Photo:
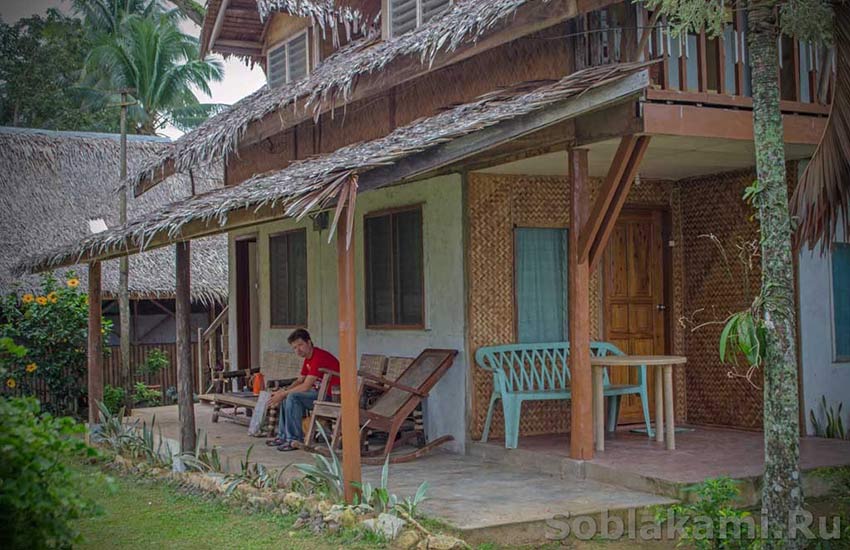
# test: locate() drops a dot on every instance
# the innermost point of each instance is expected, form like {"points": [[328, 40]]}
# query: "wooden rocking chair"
{"points": [[390, 410]]}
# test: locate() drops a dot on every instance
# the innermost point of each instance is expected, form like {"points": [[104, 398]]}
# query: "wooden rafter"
{"points": [[600, 239]]}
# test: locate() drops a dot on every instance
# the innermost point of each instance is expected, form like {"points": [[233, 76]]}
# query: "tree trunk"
{"points": [[124, 268], [782, 492]]}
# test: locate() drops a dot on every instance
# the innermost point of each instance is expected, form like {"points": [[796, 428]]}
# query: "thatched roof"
{"points": [[465, 21], [54, 182], [317, 182]]}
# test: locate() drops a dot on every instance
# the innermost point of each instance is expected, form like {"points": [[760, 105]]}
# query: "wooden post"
{"points": [[348, 361], [185, 405], [95, 343], [581, 417], [200, 353]]}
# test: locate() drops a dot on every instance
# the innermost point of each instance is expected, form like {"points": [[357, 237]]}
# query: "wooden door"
{"points": [[245, 302], [634, 297]]}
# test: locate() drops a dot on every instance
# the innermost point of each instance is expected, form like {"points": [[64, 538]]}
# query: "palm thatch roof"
{"points": [[821, 201], [465, 21], [318, 182], [54, 182]]}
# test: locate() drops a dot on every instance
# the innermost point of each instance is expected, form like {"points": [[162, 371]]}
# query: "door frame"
{"points": [[244, 303]]}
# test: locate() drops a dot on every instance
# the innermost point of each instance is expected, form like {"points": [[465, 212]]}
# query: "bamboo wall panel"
{"points": [[165, 378], [497, 204], [713, 206]]}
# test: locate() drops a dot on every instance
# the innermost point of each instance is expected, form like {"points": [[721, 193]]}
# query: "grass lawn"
{"points": [[139, 514]]}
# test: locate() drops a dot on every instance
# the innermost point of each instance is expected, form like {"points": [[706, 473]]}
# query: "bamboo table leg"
{"points": [[668, 407], [659, 405], [598, 409]]}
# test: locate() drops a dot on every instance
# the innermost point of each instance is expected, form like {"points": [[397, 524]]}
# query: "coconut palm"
{"points": [[159, 65], [105, 17]]}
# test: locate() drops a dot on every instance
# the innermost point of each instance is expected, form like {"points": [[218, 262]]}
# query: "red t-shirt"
{"points": [[320, 360]]}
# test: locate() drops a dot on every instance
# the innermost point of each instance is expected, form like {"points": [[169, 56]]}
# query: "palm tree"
{"points": [[105, 17], [159, 64]]}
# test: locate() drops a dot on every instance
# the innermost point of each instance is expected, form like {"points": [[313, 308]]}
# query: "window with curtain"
{"points": [[288, 278], [541, 284], [841, 300], [394, 269]]}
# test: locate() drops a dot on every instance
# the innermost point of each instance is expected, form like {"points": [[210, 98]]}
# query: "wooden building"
{"points": [[434, 133]]}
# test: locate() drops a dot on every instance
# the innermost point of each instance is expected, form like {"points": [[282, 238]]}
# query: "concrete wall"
{"points": [[822, 375], [441, 200]]}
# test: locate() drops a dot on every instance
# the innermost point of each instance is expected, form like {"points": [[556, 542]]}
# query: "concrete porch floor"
{"points": [[486, 500], [637, 462], [483, 499]]}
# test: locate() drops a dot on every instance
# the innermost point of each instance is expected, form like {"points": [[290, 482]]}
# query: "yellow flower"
{"points": [[32, 367], [27, 298], [11, 383], [52, 298], [73, 283], [41, 300]]}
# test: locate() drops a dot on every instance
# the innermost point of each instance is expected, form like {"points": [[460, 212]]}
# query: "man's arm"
{"points": [[302, 383]]}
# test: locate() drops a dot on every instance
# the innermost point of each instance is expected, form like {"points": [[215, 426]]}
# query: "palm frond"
{"points": [[821, 201], [191, 116]]}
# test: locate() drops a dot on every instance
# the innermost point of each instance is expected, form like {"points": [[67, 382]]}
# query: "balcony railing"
{"points": [[695, 68]]}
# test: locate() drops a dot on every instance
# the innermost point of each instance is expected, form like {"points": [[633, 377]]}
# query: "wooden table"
{"points": [[663, 406]]}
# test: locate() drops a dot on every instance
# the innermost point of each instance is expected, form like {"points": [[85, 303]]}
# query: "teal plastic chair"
{"points": [[537, 372]]}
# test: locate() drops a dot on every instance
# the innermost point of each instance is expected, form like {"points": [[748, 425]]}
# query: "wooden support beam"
{"points": [[185, 404], [95, 343], [349, 397], [621, 191], [606, 195], [581, 412], [162, 307]]}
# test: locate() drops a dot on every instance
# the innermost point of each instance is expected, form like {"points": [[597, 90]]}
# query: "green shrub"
{"points": [[146, 396], [40, 494], [113, 398], [711, 520], [155, 361], [53, 327]]}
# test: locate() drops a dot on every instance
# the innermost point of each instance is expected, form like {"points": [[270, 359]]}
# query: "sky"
{"points": [[238, 82]]}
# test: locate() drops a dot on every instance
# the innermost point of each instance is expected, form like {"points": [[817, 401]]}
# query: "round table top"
{"points": [[637, 360]]}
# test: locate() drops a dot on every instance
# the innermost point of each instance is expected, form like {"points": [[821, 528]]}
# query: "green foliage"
{"points": [[253, 473], [833, 425], [710, 520], [155, 361], [113, 398], [145, 396], [325, 476], [203, 458], [808, 20], [40, 494], [163, 92], [41, 58], [743, 334], [53, 327]]}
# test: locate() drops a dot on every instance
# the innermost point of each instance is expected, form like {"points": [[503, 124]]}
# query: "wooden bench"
{"points": [[279, 369], [537, 372]]}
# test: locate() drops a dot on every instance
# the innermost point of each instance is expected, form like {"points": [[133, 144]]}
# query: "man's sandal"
{"points": [[276, 442], [288, 446]]}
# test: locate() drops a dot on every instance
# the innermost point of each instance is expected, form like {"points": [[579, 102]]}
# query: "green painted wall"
{"points": [[441, 200]]}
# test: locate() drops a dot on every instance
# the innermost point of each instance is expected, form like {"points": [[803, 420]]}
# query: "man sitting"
{"points": [[302, 393]]}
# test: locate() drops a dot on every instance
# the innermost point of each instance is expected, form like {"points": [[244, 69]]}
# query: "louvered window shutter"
{"points": [[276, 66], [403, 16], [296, 57], [430, 8]]}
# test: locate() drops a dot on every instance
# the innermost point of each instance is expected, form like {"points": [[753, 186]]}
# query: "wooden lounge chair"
{"points": [[390, 410]]}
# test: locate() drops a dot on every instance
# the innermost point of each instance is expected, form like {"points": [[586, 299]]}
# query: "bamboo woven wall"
{"points": [[496, 204], [713, 206]]}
